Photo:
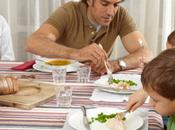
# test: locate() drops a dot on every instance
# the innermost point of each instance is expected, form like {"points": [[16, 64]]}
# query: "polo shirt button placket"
{"points": [[90, 27]]}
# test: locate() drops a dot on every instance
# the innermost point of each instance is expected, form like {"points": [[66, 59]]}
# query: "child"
{"points": [[158, 82], [171, 41], [138, 98]]}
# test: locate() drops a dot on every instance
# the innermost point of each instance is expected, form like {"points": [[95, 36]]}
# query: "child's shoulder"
{"points": [[171, 123]]}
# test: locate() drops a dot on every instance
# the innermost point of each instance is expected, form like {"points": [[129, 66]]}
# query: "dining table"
{"points": [[51, 117]]}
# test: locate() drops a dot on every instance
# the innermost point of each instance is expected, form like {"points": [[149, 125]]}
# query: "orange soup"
{"points": [[58, 62]]}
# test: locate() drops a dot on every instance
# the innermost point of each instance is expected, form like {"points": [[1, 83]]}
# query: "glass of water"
{"points": [[59, 75], [83, 73], [64, 96], [63, 92]]}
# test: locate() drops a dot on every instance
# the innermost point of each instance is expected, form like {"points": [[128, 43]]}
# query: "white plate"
{"points": [[43, 67], [132, 122], [103, 84]]}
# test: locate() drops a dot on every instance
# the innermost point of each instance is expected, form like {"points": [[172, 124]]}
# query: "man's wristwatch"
{"points": [[122, 64]]}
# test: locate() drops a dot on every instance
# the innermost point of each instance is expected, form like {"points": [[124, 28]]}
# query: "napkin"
{"points": [[98, 95], [26, 65]]}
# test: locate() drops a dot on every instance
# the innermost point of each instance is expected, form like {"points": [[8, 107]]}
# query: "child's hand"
{"points": [[136, 100], [142, 62]]}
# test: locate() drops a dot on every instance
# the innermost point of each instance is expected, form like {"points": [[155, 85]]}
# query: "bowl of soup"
{"points": [[58, 62]]}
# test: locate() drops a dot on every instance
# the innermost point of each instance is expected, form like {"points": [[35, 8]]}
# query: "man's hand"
{"points": [[92, 54], [136, 100], [113, 64]]}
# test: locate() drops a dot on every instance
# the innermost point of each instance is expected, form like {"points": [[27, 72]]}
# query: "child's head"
{"points": [[171, 41], [158, 79]]}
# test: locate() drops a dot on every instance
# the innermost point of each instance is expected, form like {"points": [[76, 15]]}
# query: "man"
{"points": [[75, 30], [6, 48]]}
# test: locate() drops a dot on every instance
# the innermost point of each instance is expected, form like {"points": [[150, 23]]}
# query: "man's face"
{"points": [[102, 11], [160, 103]]}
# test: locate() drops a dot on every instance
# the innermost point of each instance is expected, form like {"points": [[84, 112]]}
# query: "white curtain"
{"points": [[24, 17], [155, 19]]}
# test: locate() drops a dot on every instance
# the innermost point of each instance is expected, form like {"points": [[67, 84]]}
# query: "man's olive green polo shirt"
{"points": [[76, 31]]}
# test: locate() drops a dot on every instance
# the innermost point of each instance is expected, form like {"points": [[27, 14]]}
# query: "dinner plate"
{"points": [[132, 122], [103, 84], [41, 65]]}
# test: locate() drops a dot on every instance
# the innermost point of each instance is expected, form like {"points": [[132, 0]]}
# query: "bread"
{"points": [[8, 85]]}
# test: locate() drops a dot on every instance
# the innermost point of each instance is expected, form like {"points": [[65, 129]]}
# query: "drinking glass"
{"points": [[63, 92], [59, 75], [64, 96], [83, 73]]}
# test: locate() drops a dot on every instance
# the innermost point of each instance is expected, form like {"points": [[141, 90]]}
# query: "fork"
{"points": [[124, 112], [85, 119], [108, 68], [109, 72]]}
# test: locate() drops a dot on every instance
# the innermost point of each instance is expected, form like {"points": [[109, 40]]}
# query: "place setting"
{"points": [[106, 118], [94, 116], [118, 89]]}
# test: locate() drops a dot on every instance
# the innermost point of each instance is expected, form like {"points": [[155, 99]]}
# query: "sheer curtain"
{"points": [[155, 19], [24, 17]]}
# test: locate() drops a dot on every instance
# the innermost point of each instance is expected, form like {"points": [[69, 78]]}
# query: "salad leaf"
{"points": [[103, 117], [129, 82]]}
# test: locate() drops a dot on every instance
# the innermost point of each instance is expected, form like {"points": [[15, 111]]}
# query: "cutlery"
{"points": [[124, 113], [98, 86], [109, 72], [108, 68], [43, 61], [85, 119]]}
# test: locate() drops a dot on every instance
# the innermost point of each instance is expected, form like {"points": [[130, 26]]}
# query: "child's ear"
{"points": [[90, 2]]}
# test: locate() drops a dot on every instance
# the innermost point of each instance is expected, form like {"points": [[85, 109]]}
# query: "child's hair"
{"points": [[159, 74], [171, 39]]}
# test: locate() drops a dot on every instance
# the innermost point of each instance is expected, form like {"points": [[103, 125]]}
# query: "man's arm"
{"points": [[43, 43], [137, 47], [136, 51]]}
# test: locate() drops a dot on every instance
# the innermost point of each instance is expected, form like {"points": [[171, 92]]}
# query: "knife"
{"points": [[85, 119], [103, 87]]}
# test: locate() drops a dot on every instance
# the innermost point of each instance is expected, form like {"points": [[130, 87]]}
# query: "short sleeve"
{"points": [[127, 24], [60, 19]]}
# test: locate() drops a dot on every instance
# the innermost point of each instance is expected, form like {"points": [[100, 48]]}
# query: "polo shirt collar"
{"points": [[83, 9]]}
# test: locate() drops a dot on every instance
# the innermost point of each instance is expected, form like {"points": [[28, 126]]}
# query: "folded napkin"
{"points": [[99, 95], [26, 65]]}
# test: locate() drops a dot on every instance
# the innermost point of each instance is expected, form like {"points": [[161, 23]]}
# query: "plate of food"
{"points": [[47, 64], [121, 83], [106, 119]]}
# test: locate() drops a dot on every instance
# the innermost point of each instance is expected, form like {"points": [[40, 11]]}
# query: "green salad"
{"points": [[102, 118], [129, 82]]}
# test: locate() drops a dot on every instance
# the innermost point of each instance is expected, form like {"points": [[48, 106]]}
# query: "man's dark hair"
{"points": [[84, 1], [171, 39], [159, 74]]}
